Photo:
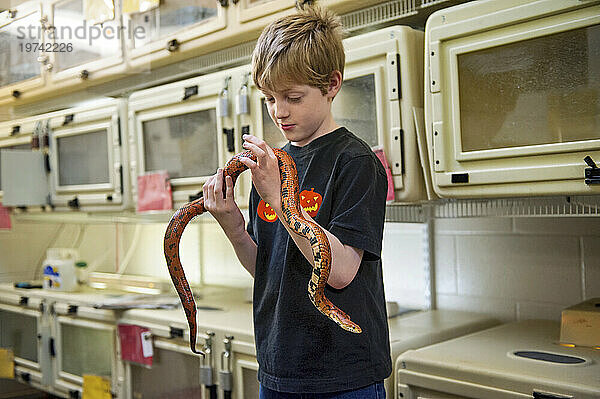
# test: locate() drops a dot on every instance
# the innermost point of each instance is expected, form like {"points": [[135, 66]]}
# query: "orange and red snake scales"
{"points": [[292, 216]]}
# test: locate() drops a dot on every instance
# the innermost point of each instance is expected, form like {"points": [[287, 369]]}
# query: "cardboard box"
{"points": [[580, 324]]}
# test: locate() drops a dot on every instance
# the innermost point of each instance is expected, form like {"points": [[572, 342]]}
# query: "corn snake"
{"points": [[292, 216]]}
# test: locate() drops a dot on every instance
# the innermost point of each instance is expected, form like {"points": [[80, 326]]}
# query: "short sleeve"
{"points": [[358, 208]]}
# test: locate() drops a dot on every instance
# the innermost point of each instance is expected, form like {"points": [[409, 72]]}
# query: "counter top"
{"points": [[229, 310]]}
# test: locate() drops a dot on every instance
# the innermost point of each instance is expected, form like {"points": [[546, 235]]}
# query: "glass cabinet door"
{"points": [[19, 332], [185, 129], [82, 159], [174, 374], [355, 108], [246, 383], [20, 42], [88, 157], [78, 41], [8, 148], [85, 348], [543, 90], [170, 17], [184, 145], [79, 166], [248, 10]]}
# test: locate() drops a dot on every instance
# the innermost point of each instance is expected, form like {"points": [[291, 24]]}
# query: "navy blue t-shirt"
{"points": [[343, 186]]}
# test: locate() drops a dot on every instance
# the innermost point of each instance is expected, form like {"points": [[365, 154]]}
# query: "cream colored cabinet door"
{"points": [[85, 347], [185, 128], [255, 10], [512, 103], [15, 135], [382, 88], [238, 370], [251, 117], [159, 34], [22, 41], [85, 40], [19, 330], [88, 157], [175, 373], [347, 6]]}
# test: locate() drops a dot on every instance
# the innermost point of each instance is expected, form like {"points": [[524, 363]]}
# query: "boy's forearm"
{"points": [[345, 260], [245, 249]]}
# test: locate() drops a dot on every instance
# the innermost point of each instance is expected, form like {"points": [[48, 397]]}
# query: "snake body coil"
{"points": [[292, 216]]}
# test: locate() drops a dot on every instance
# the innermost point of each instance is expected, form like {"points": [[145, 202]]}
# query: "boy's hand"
{"points": [[225, 210], [265, 171]]}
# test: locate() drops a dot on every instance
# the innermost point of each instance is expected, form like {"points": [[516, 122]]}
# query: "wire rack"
{"points": [[570, 206]]}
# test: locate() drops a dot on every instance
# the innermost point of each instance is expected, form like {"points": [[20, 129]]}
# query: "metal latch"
{"points": [[175, 332], [52, 347], [592, 174], [72, 309], [225, 373], [223, 99], [230, 139], [68, 119], [242, 99], [189, 92], [74, 203], [206, 368]]}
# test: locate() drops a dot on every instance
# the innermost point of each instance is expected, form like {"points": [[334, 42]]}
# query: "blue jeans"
{"points": [[374, 391]]}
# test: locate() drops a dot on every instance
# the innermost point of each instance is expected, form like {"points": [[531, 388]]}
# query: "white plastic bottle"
{"points": [[59, 269]]}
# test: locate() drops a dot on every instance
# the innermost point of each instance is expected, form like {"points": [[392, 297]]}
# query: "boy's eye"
{"points": [[270, 99], [294, 99]]}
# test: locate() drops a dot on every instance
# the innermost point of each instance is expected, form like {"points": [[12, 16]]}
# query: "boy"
{"points": [[298, 64]]}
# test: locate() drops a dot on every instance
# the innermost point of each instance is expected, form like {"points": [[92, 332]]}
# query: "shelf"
{"points": [[102, 218], [569, 206]]}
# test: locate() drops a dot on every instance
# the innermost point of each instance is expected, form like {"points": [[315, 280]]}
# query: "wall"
{"points": [[106, 247], [512, 268]]}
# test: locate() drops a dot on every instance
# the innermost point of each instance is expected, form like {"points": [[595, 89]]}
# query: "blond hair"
{"points": [[303, 48]]}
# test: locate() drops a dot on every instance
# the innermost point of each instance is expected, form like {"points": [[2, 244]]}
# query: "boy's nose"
{"points": [[281, 111]]}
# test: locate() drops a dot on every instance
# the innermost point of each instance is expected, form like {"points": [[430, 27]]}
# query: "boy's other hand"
{"points": [[224, 209], [265, 171]]}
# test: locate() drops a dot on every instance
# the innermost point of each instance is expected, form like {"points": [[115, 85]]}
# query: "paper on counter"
{"points": [[143, 301]]}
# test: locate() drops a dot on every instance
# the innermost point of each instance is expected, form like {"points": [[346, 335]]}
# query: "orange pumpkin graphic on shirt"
{"points": [[311, 201], [265, 212]]}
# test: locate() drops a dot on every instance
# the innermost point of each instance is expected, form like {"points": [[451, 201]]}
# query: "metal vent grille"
{"points": [[379, 14], [240, 54], [518, 207], [211, 62], [404, 213]]}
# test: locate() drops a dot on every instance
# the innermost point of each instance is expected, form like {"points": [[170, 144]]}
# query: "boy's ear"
{"points": [[335, 84]]}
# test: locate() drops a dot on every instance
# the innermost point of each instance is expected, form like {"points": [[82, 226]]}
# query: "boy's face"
{"points": [[302, 112]]}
